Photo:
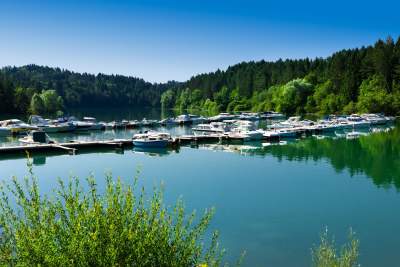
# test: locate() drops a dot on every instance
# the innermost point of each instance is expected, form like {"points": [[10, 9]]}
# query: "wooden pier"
{"points": [[73, 146], [70, 147]]}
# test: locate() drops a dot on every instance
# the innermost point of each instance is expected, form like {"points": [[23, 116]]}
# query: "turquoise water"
{"points": [[270, 200]]}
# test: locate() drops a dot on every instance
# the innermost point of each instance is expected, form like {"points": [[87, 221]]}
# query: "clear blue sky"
{"points": [[173, 40]]}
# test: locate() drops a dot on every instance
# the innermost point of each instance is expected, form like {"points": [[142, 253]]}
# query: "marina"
{"points": [[223, 128]]}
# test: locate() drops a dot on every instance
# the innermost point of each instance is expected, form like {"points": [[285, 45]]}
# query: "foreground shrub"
{"points": [[325, 255], [79, 227]]}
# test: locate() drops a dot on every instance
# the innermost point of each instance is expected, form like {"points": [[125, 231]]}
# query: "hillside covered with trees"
{"points": [[365, 79], [19, 84]]}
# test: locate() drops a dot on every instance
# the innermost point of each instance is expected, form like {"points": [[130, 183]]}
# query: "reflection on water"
{"points": [[154, 152], [376, 155], [272, 198]]}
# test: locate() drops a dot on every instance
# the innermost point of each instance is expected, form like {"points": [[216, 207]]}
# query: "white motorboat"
{"points": [[291, 122], [134, 124], [211, 128], [280, 133], [50, 127], [168, 122], [183, 119], [17, 126], [94, 124], [148, 123], [151, 133], [87, 124], [375, 119], [357, 121], [197, 119], [246, 130], [222, 117], [272, 115], [249, 116], [117, 124]]}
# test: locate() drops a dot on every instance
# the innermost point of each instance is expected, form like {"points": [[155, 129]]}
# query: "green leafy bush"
{"points": [[77, 227]]}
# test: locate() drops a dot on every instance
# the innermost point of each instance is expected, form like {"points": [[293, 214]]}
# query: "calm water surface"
{"points": [[271, 200]]}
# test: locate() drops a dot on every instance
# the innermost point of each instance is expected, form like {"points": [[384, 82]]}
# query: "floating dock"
{"points": [[73, 146], [70, 147]]}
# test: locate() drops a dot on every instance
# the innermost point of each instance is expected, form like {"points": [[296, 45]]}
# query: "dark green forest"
{"points": [[18, 85], [365, 79]]}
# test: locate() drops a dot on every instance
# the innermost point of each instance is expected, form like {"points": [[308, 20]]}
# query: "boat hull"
{"points": [[150, 144], [206, 132], [5, 132]]}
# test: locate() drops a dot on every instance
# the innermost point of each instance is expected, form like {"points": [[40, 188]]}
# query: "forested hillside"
{"points": [[18, 84], [362, 79], [365, 79]]}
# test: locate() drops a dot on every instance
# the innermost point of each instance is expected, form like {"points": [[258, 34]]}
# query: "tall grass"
{"points": [[326, 254], [77, 227]]}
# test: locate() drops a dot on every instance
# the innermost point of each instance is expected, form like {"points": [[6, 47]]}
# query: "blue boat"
{"points": [[152, 140], [150, 143]]}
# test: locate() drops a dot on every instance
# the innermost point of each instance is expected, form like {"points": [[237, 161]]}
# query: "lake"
{"points": [[271, 200]]}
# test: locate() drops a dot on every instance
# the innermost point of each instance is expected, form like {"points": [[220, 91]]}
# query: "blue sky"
{"points": [[173, 40]]}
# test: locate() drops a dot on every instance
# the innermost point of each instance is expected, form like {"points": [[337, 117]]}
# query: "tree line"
{"points": [[19, 84], [365, 79]]}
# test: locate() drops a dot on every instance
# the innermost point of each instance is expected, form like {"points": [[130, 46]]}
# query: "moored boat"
{"points": [[152, 140], [183, 119], [17, 126], [223, 116], [168, 122], [87, 124], [246, 130], [50, 126], [280, 133], [211, 128], [357, 121]]}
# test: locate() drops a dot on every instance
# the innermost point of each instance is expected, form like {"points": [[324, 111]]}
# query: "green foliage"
{"points": [[52, 101], [332, 85], [210, 107], [22, 99], [168, 99], [87, 90], [292, 97], [350, 108], [120, 227], [329, 85], [373, 95], [48, 102], [325, 255], [6, 94], [324, 100], [222, 98], [37, 105]]}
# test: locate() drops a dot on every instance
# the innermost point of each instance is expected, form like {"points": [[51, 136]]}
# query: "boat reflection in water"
{"points": [[377, 155], [154, 151]]}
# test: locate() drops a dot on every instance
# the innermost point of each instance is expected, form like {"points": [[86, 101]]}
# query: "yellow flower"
{"points": [[202, 265]]}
